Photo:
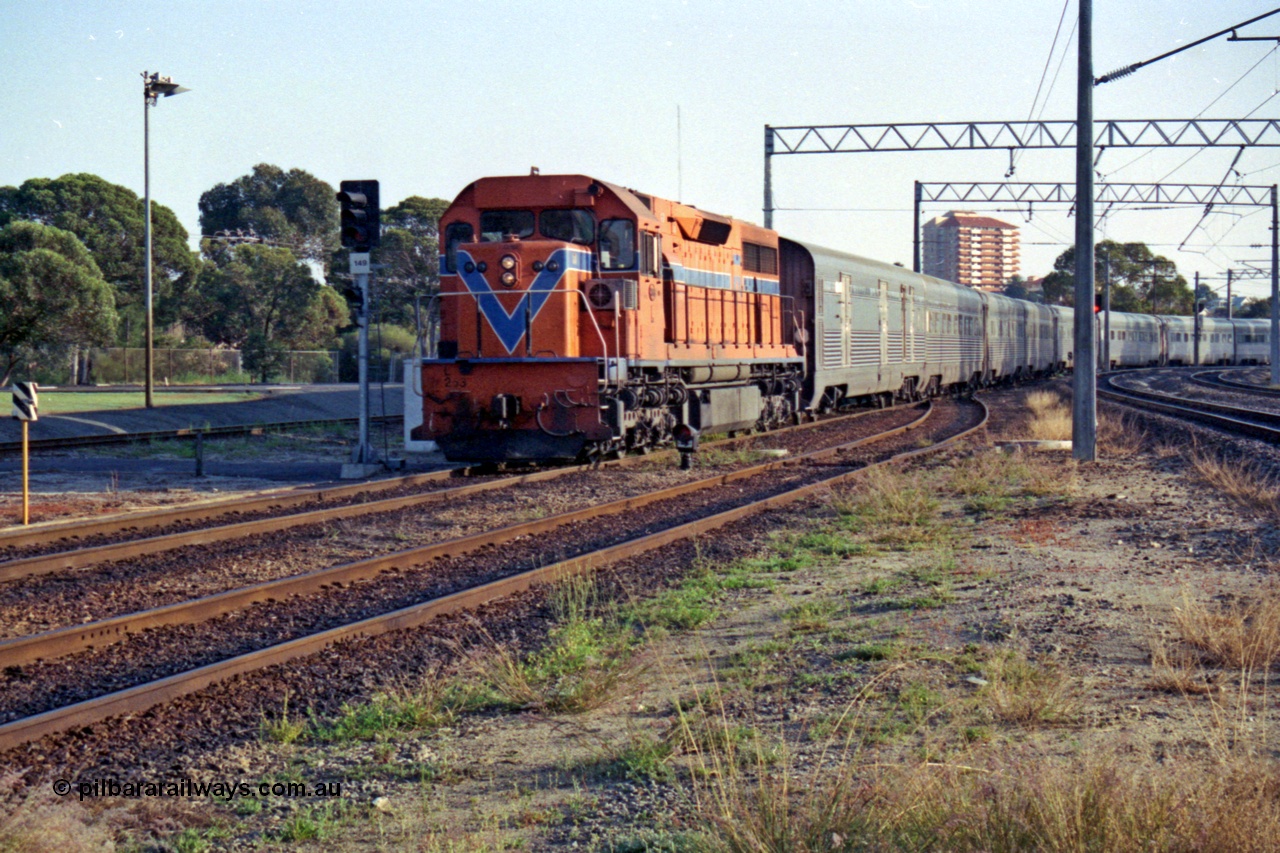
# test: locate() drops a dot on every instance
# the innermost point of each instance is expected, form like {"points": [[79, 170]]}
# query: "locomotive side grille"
{"points": [[757, 258]]}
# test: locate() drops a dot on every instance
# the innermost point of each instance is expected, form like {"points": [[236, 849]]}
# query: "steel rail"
{"points": [[1218, 379], [1262, 425], [7, 447], [144, 696], [89, 555], [68, 640]]}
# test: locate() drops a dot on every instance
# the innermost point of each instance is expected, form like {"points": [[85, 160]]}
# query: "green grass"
{"points": [[428, 707], [56, 403], [812, 616], [641, 759], [878, 650]]}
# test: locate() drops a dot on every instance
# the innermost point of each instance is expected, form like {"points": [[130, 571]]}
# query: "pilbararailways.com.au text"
{"points": [[189, 788]]}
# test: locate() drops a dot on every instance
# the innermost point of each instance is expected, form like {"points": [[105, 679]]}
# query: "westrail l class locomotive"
{"points": [[578, 317]]}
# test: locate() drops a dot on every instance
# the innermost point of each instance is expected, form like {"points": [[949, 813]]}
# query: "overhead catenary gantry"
{"points": [[1012, 135], [1008, 135]]}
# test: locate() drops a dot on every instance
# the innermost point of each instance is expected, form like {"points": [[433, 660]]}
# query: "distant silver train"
{"points": [[880, 332]]}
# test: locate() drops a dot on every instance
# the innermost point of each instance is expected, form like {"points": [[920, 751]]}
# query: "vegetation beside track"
{"points": [[55, 403]]}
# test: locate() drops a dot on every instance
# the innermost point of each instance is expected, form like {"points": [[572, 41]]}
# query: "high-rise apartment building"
{"points": [[976, 251]]}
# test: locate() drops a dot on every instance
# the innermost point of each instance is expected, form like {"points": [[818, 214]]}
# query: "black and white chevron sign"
{"points": [[24, 401]]}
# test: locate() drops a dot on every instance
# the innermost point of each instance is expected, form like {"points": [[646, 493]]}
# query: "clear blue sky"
{"points": [[427, 96]]}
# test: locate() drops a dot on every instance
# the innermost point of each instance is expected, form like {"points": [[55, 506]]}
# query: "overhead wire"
{"points": [[1013, 162], [1207, 107]]}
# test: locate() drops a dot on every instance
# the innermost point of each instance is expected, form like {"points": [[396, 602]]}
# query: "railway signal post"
{"points": [[26, 410], [360, 233]]}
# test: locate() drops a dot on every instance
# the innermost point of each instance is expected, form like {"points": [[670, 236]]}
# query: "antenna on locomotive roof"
{"points": [[533, 170], [679, 163]]}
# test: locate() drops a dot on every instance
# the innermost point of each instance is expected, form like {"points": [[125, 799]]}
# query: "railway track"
{"points": [[585, 539], [1251, 422], [52, 599], [1218, 379], [36, 551]]}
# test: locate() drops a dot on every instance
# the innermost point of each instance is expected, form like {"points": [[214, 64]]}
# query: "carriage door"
{"points": [[846, 318], [884, 323], [908, 325], [986, 341]]}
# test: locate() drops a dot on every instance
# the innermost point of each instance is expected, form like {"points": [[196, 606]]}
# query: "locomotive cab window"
{"points": [[617, 244], [495, 225], [571, 226], [455, 234]]}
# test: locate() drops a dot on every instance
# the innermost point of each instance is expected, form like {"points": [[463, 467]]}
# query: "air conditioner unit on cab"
{"points": [[609, 294]]}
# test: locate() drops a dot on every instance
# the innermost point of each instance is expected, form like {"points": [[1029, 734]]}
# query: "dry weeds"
{"points": [[1246, 483], [1241, 635]]}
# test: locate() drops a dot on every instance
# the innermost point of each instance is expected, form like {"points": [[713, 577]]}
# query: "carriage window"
{"points": [[572, 226], [455, 234], [497, 224], [617, 244]]}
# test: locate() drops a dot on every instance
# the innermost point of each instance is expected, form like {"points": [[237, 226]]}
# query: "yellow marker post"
{"points": [[25, 409], [26, 493]]}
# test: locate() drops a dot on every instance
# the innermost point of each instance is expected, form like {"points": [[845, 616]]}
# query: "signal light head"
{"points": [[359, 215]]}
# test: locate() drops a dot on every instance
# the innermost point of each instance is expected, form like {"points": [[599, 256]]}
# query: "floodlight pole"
{"points": [[147, 101], [1084, 401], [153, 86]]}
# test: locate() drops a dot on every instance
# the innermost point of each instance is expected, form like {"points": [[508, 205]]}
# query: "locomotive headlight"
{"points": [[482, 266], [508, 262], [537, 266], [469, 267], [508, 278], [553, 265]]}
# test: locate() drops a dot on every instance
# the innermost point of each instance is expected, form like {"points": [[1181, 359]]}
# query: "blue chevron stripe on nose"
{"points": [[510, 327]]}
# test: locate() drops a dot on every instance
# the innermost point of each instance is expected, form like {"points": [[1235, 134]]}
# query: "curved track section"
{"points": [[1264, 425], [1218, 379]]}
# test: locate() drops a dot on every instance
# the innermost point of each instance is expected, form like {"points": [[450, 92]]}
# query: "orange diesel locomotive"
{"points": [[579, 318]]}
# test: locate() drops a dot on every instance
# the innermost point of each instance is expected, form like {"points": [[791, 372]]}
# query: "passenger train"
{"points": [[578, 317]]}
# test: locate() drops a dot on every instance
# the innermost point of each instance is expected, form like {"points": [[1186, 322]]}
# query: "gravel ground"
{"points": [[1078, 580]]}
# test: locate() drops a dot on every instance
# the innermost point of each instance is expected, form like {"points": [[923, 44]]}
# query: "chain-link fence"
{"points": [[127, 366]]}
